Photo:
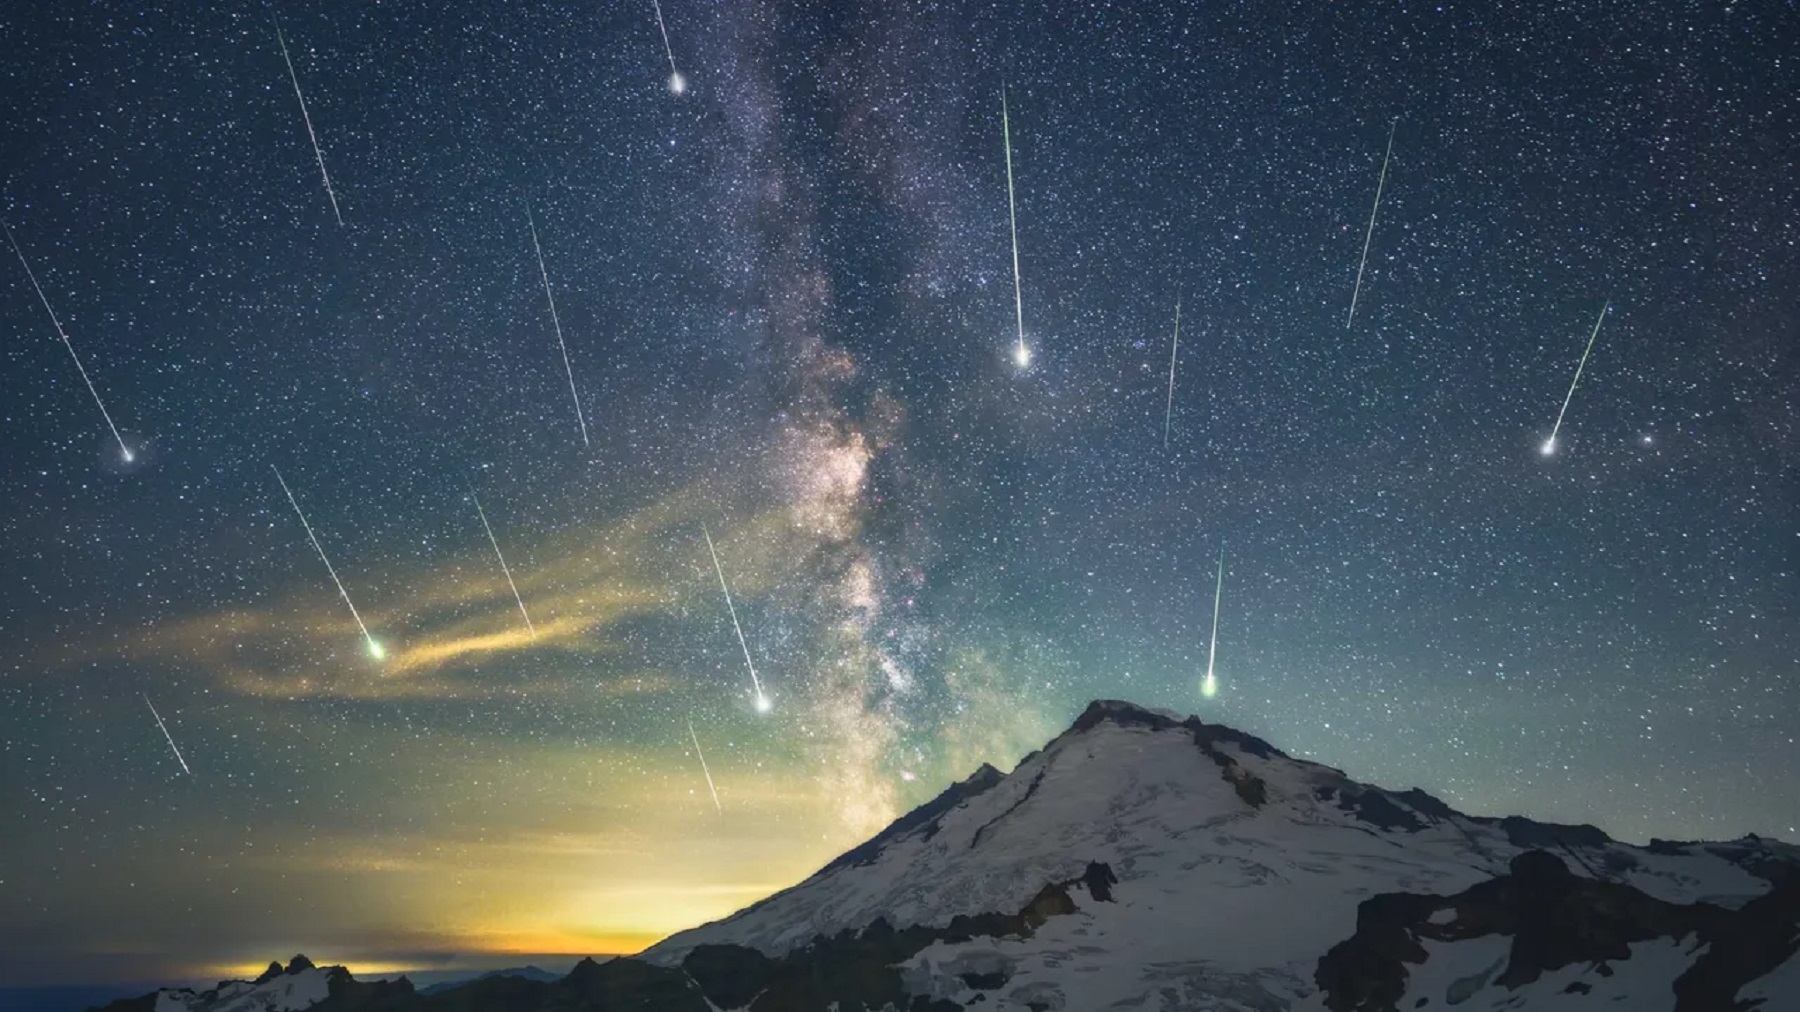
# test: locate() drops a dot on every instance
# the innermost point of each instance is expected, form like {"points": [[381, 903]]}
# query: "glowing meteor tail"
{"points": [[557, 322], [307, 118], [1169, 406], [1550, 444], [503, 566], [375, 649], [124, 451], [1022, 354], [1379, 183], [1211, 686], [703, 768], [677, 83], [762, 700], [170, 738]]}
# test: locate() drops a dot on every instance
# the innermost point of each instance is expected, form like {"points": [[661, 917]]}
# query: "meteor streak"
{"points": [[762, 701], [677, 83], [558, 323], [1169, 407], [1549, 446], [165, 731], [54, 322], [1022, 354], [703, 769], [1210, 686], [307, 117], [503, 567], [1379, 183], [375, 650]]}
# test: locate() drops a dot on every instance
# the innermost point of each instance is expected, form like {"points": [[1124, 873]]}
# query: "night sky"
{"points": [[787, 301]]}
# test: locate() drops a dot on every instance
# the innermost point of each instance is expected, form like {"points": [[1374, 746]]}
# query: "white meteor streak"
{"points": [[677, 83], [307, 117], [124, 451], [165, 731], [703, 769], [579, 417], [1210, 686], [375, 649], [1169, 407], [1549, 446], [1022, 354], [503, 567], [762, 701], [1379, 183]]}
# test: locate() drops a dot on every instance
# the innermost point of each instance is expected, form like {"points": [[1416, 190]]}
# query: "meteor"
{"points": [[124, 451], [703, 769], [1169, 407], [762, 701], [1549, 446], [1210, 687], [1022, 354], [558, 323], [165, 731], [375, 649], [307, 117], [1379, 183], [503, 567], [677, 83]]}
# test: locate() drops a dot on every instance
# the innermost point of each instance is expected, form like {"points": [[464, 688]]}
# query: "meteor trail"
{"points": [[307, 117], [503, 567], [1379, 183], [1169, 408], [54, 322], [1549, 446], [703, 769], [762, 701], [1021, 355], [558, 322], [1210, 686], [165, 731], [677, 83], [375, 650]]}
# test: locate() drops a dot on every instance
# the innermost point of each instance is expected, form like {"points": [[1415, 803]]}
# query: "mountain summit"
{"points": [[1145, 861]]}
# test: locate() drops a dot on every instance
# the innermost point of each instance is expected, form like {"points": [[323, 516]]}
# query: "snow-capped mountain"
{"points": [[1145, 861], [299, 985], [1207, 869]]}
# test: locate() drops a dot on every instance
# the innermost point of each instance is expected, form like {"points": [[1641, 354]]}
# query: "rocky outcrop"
{"points": [[1557, 919]]}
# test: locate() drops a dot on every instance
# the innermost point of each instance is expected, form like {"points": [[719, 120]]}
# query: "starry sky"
{"points": [[786, 301]]}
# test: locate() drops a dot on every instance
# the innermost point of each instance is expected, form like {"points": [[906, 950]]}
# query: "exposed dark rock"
{"points": [[926, 815], [1030, 789], [1377, 809], [1524, 832], [731, 975], [271, 973], [1556, 919], [1426, 805], [298, 964], [986, 981], [1099, 879]]}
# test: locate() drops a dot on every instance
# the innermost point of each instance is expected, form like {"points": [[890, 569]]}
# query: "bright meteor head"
{"points": [[1548, 448], [1022, 356], [677, 83], [1209, 686], [376, 651], [762, 703]]}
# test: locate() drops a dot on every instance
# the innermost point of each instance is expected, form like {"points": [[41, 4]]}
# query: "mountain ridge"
{"points": [[1140, 859]]}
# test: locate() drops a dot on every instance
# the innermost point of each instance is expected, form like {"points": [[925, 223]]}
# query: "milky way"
{"points": [[782, 298]]}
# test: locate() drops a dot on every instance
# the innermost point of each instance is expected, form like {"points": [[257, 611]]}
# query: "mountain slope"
{"points": [[1239, 869], [1143, 861]]}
